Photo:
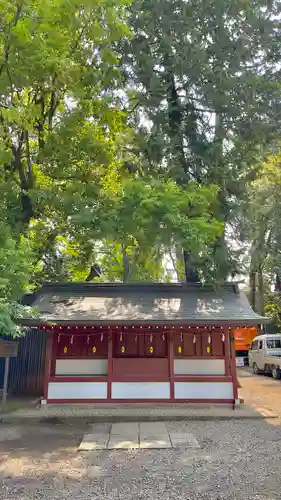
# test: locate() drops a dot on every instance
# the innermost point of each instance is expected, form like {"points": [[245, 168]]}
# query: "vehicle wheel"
{"points": [[256, 371], [275, 372]]}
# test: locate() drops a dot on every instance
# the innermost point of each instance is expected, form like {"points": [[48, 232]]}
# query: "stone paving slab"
{"points": [[135, 435], [121, 443], [125, 428], [147, 428], [156, 441], [91, 442]]}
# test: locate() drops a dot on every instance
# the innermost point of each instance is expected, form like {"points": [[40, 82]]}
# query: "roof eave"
{"points": [[192, 321]]}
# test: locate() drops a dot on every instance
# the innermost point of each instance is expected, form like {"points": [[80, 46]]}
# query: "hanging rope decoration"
{"points": [[194, 339], [223, 337], [88, 339], [180, 347], [163, 336], [71, 340], [209, 342], [101, 337], [151, 347], [58, 338]]}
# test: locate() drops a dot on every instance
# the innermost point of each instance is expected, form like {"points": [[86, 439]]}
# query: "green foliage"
{"points": [[206, 97], [14, 278], [272, 309], [143, 218]]}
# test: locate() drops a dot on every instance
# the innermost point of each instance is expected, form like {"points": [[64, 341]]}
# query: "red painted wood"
{"points": [[217, 343], [110, 367], [139, 368], [81, 357], [81, 345], [125, 344], [171, 340], [189, 348], [48, 361], [227, 350], [129, 402], [200, 357], [233, 369], [198, 343], [144, 378], [203, 378], [70, 378], [205, 344]]}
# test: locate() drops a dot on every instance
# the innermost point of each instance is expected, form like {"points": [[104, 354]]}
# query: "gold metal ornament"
{"points": [[208, 350], [65, 350], [179, 349], [94, 349], [122, 349], [151, 349]]}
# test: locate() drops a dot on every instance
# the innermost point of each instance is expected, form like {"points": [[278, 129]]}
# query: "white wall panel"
{"points": [[203, 390], [77, 390], [81, 367], [199, 366], [140, 390]]}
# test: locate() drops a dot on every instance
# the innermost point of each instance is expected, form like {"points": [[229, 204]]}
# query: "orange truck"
{"points": [[242, 339]]}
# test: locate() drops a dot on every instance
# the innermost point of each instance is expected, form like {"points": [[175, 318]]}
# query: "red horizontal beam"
{"points": [[203, 378], [76, 357], [137, 401], [207, 356], [69, 378], [144, 378]]}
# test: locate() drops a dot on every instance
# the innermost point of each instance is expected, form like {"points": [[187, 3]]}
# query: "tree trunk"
{"points": [[261, 291], [126, 265], [253, 298]]}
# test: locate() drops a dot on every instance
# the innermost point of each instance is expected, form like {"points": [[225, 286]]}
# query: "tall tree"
{"points": [[58, 114], [205, 93], [261, 230]]}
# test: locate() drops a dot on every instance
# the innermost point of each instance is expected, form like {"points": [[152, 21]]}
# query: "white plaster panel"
{"points": [[203, 390], [77, 390], [140, 390], [81, 366], [199, 366]]}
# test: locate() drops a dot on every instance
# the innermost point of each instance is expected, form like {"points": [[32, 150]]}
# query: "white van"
{"points": [[265, 354]]}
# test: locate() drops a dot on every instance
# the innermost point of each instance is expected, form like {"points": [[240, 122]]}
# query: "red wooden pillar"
{"points": [[48, 362], [171, 364], [227, 352], [233, 366], [109, 368]]}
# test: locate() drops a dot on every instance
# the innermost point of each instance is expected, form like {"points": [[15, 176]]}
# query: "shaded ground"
{"points": [[236, 460]]}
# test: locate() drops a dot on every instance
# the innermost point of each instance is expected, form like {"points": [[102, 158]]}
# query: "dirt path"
{"points": [[260, 390]]}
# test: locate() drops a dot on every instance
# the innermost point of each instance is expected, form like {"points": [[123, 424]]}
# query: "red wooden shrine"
{"points": [[110, 356]]}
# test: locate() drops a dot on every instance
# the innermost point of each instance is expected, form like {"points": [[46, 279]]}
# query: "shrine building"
{"points": [[148, 342]]}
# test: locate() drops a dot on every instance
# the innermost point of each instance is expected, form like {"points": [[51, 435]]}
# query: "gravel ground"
{"points": [[237, 460]]}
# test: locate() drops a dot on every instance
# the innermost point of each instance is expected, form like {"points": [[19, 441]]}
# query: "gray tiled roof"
{"points": [[143, 303]]}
